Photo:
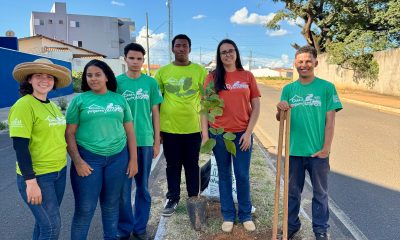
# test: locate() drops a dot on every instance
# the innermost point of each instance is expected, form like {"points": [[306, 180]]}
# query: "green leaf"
{"points": [[187, 83], [220, 131], [217, 111], [171, 88], [211, 118], [229, 136], [221, 104], [213, 130], [230, 147], [208, 146]]}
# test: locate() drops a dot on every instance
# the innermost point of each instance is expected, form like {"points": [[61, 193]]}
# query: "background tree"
{"points": [[348, 30]]}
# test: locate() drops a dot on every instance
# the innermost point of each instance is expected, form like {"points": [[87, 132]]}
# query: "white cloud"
{"points": [[158, 46], [298, 21], [280, 32], [120, 4], [242, 17], [200, 16]]}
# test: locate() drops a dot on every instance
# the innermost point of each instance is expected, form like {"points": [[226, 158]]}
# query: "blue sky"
{"points": [[206, 22]]}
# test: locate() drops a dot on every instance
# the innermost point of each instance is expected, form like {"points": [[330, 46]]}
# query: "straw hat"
{"points": [[43, 65]]}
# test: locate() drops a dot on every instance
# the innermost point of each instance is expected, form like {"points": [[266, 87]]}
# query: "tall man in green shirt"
{"points": [[314, 103], [143, 96], [180, 83]]}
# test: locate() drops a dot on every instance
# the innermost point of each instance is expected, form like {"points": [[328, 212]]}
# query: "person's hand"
{"points": [[245, 141], [283, 105], [132, 169], [156, 149], [204, 139], [33, 192], [82, 168], [321, 154]]}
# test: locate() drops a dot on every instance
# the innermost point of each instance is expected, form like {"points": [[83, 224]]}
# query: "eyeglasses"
{"points": [[230, 52]]}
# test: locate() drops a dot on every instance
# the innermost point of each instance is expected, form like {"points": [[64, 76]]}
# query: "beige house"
{"points": [[53, 48]]}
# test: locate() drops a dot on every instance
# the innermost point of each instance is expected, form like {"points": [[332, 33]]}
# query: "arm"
{"points": [[329, 130], [33, 191], [82, 168], [245, 139], [130, 134], [204, 128], [155, 114]]}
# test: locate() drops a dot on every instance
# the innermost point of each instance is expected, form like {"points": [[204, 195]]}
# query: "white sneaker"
{"points": [[249, 226], [227, 226]]}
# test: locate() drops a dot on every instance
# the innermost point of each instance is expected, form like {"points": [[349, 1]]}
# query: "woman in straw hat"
{"points": [[37, 128], [102, 146]]}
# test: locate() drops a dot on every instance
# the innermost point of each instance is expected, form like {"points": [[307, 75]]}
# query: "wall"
{"points": [[117, 65], [388, 82], [9, 87]]}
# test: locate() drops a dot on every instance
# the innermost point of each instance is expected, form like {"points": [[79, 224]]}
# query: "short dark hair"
{"points": [[181, 36], [25, 87], [112, 81], [307, 49], [134, 47]]}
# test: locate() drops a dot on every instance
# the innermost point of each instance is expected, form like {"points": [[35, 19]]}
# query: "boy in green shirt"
{"points": [[180, 83], [143, 96], [314, 103]]}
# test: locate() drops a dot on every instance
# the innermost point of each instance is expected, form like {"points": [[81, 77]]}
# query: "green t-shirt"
{"points": [[179, 112], [44, 125], [141, 94], [100, 119], [310, 103]]}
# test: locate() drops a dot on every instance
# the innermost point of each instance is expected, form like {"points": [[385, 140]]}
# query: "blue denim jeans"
{"points": [[241, 166], [106, 183], [47, 214], [136, 221], [318, 170]]}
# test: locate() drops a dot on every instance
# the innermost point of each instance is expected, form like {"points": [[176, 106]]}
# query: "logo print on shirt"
{"points": [[310, 100], [139, 95], [110, 108], [336, 99], [58, 121], [180, 87], [237, 85], [16, 123]]}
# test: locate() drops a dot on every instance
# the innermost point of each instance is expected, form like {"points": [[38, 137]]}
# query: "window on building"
{"points": [[60, 22], [74, 24], [77, 43], [38, 22], [50, 21]]}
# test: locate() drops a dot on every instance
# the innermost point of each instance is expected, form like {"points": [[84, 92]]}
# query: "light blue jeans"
{"points": [[47, 214]]}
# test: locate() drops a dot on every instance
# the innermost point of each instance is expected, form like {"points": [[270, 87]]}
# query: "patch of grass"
{"points": [[3, 125]]}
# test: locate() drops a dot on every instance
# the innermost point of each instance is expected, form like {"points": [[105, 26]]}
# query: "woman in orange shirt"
{"points": [[238, 88]]}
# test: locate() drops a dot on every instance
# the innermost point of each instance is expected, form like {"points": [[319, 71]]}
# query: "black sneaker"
{"points": [[138, 236], [292, 233], [321, 236], [169, 208]]}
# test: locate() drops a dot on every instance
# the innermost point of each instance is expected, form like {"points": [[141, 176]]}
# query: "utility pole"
{"points": [[170, 27], [147, 41]]}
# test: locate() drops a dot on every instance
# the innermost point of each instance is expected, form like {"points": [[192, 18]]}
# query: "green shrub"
{"points": [[76, 81], [62, 103], [3, 125]]}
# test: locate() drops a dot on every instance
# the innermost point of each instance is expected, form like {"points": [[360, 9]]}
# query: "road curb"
{"points": [[374, 106]]}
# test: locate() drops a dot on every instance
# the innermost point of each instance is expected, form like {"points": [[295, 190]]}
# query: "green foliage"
{"points": [[212, 106], [349, 31], [62, 103], [77, 81], [3, 125]]}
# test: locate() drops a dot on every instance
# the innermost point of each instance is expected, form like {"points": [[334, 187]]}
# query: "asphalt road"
{"points": [[16, 221], [365, 163]]}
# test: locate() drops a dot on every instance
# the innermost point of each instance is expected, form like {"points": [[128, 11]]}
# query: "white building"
{"points": [[105, 35]]}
